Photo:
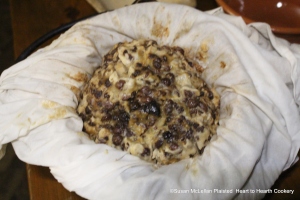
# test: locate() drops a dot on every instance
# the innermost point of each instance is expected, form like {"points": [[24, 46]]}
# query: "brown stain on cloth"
{"points": [[79, 77], [160, 29]]}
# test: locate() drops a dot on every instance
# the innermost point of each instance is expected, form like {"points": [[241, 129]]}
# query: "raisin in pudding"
{"points": [[150, 101]]}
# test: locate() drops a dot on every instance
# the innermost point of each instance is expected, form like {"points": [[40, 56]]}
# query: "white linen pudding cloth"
{"points": [[255, 73]]}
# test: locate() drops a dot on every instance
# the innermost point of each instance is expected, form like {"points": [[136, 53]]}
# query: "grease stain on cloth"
{"points": [[56, 111], [192, 167], [185, 28], [202, 53], [79, 77], [160, 29], [75, 90], [116, 22], [49, 104], [45, 112]]}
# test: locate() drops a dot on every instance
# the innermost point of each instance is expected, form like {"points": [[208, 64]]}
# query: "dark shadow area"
{"points": [[13, 178]]}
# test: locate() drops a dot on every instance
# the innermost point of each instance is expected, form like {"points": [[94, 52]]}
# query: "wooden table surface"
{"points": [[33, 18]]}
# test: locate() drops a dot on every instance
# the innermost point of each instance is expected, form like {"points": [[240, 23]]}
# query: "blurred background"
{"points": [[13, 179]]}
